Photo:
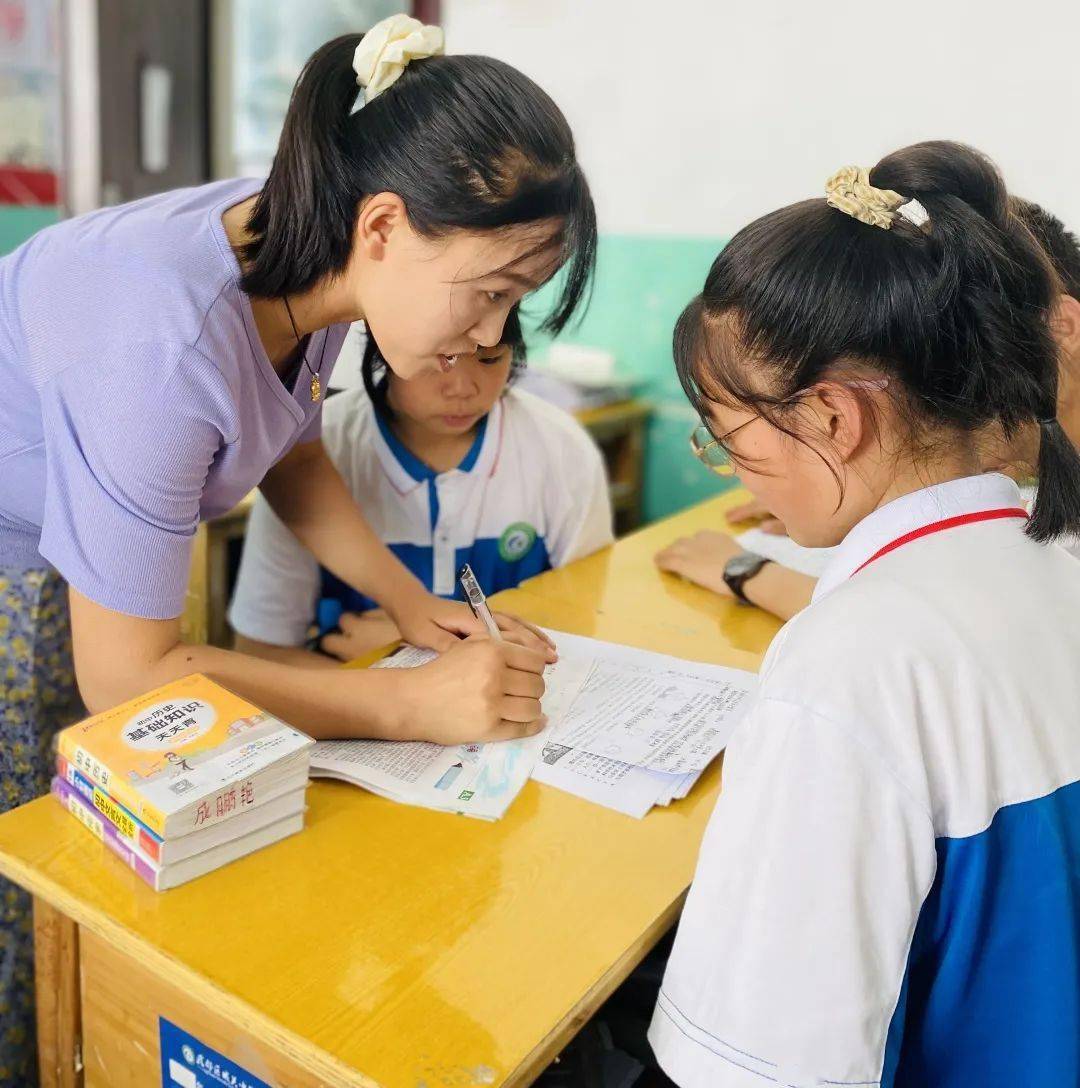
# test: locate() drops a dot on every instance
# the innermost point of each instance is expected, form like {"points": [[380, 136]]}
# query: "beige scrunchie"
{"points": [[387, 48], [849, 191]]}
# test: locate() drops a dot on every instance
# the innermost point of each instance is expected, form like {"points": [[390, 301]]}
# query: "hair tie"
{"points": [[849, 191], [386, 49], [1048, 422]]}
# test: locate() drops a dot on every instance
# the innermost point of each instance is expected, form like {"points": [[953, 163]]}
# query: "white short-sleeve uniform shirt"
{"points": [[888, 892], [531, 494]]}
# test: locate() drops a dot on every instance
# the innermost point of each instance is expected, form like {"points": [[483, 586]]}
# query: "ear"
{"points": [[843, 416], [1065, 324], [1065, 321], [379, 217]]}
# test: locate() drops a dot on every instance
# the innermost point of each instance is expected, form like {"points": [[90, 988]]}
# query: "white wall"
{"points": [[694, 116]]}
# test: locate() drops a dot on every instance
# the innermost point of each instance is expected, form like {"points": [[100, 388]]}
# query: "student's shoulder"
{"points": [[552, 428], [859, 621], [858, 654], [854, 661], [348, 418]]}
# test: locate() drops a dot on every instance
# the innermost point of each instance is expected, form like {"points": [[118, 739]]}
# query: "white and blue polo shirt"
{"points": [[888, 892], [529, 495]]}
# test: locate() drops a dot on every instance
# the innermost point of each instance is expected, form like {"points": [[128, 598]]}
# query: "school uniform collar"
{"points": [[407, 472], [955, 498]]}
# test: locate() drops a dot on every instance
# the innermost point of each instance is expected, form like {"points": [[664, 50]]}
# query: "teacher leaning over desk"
{"points": [[160, 359]]}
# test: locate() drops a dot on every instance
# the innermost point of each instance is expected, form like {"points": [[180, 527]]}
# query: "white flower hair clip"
{"points": [[387, 48], [849, 191]]}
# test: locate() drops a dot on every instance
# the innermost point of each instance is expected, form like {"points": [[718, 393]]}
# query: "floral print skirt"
{"points": [[38, 697]]}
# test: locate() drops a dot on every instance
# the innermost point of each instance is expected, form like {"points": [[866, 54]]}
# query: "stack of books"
{"points": [[577, 379], [571, 395], [183, 780]]}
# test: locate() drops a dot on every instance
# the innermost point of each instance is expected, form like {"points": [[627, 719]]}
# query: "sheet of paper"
{"points": [[674, 786], [599, 778], [662, 720], [406, 657], [562, 682], [784, 550], [606, 782]]}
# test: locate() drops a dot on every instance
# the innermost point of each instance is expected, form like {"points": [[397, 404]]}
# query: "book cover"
{"points": [[191, 746]]}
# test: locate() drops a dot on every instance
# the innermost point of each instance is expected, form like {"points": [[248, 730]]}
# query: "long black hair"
{"points": [[376, 374], [1057, 240], [467, 142], [956, 310]]}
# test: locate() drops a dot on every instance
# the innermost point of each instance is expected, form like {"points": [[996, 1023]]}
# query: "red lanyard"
{"points": [[939, 526]]}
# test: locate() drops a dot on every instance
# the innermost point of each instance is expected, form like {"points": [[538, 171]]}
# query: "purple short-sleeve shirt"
{"points": [[137, 398]]}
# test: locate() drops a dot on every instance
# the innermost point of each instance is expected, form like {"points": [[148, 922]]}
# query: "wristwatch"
{"points": [[739, 569]]}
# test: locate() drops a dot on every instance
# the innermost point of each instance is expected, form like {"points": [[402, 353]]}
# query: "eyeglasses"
{"points": [[711, 451]]}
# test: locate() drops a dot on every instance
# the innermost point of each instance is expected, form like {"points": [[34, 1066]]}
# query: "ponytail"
{"points": [[302, 223], [467, 142], [1057, 501]]}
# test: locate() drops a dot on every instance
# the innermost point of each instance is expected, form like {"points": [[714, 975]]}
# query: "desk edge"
{"points": [[259, 1025]]}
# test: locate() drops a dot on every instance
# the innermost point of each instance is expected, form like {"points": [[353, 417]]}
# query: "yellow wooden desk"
{"points": [[385, 945]]}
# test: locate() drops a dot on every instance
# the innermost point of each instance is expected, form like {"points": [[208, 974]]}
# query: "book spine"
{"points": [[132, 830], [120, 790], [102, 830]]}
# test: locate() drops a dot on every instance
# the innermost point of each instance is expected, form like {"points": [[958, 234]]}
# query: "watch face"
{"points": [[740, 565]]}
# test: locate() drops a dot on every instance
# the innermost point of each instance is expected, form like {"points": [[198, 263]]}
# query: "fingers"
{"points": [[748, 511], [438, 639], [670, 558], [463, 624], [515, 730], [514, 708], [513, 655], [674, 565], [523, 658], [526, 685], [522, 634], [352, 622], [774, 526], [506, 622], [337, 645]]}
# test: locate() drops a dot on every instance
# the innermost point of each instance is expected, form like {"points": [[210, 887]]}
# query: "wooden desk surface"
{"points": [[623, 411], [394, 946], [621, 588]]}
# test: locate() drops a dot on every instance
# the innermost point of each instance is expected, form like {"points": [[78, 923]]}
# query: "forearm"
{"points": [[324, 703], [779, 590], [118, 658], [284, 655], [307, 492]]}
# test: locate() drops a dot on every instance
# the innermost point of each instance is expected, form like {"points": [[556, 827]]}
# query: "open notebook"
{"points": [[626, 728]]}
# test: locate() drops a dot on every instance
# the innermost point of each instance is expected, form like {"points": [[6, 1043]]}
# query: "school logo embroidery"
{"points": [[516, 541]]}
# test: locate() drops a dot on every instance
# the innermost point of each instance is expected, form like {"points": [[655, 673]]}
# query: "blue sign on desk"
{"points": [[187, 1063]]}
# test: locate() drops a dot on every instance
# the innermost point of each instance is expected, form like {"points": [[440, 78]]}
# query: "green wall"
{"points": [[641, 287], [18, 223]]}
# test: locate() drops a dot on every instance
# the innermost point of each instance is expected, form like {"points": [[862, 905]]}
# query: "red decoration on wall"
{"points": [[21, 185]]}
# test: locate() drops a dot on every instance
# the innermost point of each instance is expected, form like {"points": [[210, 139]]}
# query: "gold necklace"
{"points": [[316, 385]]}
